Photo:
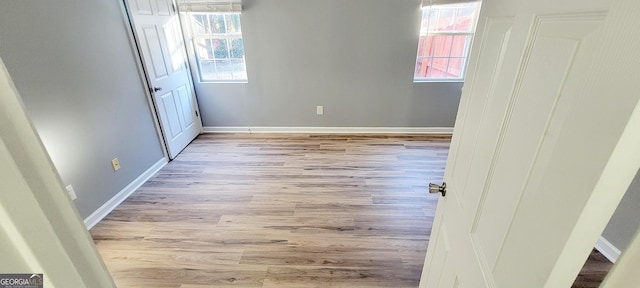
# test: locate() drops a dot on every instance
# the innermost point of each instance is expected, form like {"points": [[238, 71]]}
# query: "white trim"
{"points": [[607, 249], [107, 207], [331, 130], [438, 80]]}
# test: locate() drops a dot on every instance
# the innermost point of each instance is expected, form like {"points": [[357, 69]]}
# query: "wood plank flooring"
{"points": [[280, 211], [593, 272]]}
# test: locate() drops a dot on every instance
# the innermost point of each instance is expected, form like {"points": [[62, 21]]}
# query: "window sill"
{"points": [[224, 82], [439, 81]]}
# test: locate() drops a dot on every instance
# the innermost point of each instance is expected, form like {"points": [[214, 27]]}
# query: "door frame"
{"points": [[43, 230], [144, 75]]}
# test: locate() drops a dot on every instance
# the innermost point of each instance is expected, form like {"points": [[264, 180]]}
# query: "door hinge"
{"points": [[197, 115], [173, 6]]}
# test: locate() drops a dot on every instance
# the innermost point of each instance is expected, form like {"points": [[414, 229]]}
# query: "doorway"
{"points": [[160, 45]]}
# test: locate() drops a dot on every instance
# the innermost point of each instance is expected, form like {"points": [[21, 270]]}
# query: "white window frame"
{"points": [[467, 47], [227, 36]]}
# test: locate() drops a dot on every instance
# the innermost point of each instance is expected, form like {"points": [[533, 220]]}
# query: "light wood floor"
{"points": [[280, 211], [593, 272]]}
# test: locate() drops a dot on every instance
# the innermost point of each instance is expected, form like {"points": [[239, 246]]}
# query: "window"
{"points": [[445, 39], [217, 40]]}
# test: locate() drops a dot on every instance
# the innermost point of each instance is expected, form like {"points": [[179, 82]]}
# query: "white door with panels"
{"points": [[545, 144], [160, 42]]}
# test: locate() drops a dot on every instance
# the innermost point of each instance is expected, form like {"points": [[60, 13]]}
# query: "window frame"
{"points": [[426, 33], [214, 36]]}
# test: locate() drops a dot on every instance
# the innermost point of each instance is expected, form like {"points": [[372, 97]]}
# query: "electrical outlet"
{"points": [[71, 192], [320, 110], [116, 164]]}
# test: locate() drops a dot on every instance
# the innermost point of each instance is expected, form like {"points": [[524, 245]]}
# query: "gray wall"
{"points": [[72, 64], [355, 57], [625, 221]]}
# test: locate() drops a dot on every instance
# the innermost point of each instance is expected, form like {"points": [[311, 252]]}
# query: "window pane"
{"points": [[237, 48], [238, 69], [459, 46], [425, 45], [439, 67], [224, 69], [422, 67], [199, 24], [429, 19], [233, 23], [455, 68], [442, 46], [430, 71], [445, 21], [208, 70], [217, 23], [220, 48], [464, 18], [204, 48]]}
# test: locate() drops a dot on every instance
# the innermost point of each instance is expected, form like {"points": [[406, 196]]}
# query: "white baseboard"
{"points": [[107, 207], [607, 249], [332, 130]]}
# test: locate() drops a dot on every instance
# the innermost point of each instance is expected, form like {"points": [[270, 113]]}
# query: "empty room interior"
{"points": [[300, 143]]}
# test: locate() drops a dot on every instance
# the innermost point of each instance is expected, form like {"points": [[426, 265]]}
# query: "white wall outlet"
{"points": [[71, 192], [320, 110], [116, 164]]}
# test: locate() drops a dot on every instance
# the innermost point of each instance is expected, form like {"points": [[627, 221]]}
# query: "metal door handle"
{"points": [[156, 89], [435, 188]]}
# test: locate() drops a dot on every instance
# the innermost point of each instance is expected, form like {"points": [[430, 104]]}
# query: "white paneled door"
{"points": [[160, 41], [545, 144]]}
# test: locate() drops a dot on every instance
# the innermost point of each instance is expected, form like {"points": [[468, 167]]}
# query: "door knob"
{"points": [[156, 89], [435, 188]]}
